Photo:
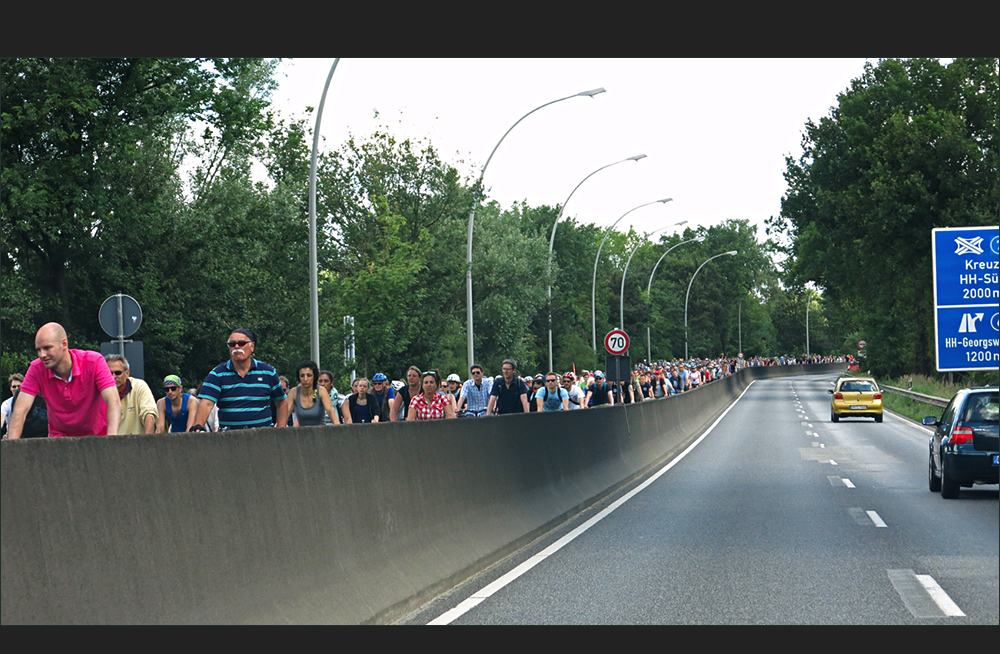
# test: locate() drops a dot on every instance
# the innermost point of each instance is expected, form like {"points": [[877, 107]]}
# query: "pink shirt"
{"points": [[75, 406]]}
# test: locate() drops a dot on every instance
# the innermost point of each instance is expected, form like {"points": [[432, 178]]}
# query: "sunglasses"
{"points": [[117, 373], [552, 380], [233, 344], [169, 388]]}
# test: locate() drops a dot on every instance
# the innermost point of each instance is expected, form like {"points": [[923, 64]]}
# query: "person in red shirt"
{"points": [[79, 391]]}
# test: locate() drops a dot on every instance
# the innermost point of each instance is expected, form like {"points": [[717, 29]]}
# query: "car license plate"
{"points": [[856, 407]]}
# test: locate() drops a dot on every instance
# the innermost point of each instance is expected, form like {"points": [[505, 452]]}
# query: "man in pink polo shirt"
{"points": [[77, 386]]}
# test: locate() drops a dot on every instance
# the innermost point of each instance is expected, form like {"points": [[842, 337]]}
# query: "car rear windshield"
{"points": [[858, 387], [982, 407]]}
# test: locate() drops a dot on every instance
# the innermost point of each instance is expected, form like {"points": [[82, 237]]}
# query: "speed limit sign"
{"points": [[616, 342]]}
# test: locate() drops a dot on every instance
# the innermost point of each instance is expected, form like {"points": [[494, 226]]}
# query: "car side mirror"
{"points": [[830, 391], [930, 421]]}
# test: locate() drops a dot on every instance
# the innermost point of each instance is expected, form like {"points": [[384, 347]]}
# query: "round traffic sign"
{"points": [[861, 344], [131, 316], [616, 342]]}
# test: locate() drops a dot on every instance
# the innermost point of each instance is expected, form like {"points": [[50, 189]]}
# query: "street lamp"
{"points": [[313, 263], [621, 294], [472, 218], [731, 252], [552, 239], [649, 287], [593, 284]]}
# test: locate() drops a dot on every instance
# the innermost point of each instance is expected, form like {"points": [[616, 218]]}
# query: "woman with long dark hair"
{"points": [[308, 401], [430, 405]]}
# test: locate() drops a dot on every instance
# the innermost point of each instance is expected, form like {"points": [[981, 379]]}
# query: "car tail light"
{"points": [[878, 396], [962, 434], [838, 396]]}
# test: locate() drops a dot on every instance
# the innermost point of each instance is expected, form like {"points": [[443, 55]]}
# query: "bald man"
{"points": [[77, 386]]}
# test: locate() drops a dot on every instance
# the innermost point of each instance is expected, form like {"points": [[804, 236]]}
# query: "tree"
{"points": [[911, 145]]}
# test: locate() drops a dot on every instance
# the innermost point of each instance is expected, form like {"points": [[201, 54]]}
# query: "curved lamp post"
{"points": [[621, 293], [731, 252], [593, 284], [649, 287], [552, 239], [313, 264], [472, 218]]}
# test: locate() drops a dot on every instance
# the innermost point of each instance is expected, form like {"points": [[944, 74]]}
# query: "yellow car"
{"points": [[856, 396]]}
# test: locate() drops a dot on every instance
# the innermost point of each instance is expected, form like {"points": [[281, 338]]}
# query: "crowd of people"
{"points": [[69, 392]]}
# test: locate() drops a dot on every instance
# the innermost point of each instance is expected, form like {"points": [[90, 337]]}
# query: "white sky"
{"points": [[715, 131]]}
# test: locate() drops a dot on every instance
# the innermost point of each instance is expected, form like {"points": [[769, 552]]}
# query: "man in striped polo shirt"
{"points": [[243, 387]]}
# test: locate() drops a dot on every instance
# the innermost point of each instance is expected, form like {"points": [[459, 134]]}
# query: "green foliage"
{"points": [[134, 175], [912, 145]]}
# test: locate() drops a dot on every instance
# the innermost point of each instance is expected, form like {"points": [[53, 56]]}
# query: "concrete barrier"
{"points": [[315, 525]]}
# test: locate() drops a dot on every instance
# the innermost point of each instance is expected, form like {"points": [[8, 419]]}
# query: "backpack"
{"points": [[36, 422]]}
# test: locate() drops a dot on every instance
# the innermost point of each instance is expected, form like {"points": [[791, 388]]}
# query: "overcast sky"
{"points": [[715, 131]]}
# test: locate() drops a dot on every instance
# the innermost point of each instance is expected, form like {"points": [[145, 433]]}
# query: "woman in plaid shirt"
{"points": [[430, 405]]}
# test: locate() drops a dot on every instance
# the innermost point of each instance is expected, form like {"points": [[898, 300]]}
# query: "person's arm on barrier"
{"points": [[192, 408], [328, 406], [161, 415], [492, 405], [205, 406], [110, 396]]}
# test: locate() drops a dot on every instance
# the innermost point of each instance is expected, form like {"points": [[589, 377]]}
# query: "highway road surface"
{"points": [[776, 516]]}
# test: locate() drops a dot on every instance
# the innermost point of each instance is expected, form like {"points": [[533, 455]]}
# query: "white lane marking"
{"points": [[948, 607], [879, 522], [840, 481], [832, 462], [452, 614], [847, 482], [922, 596]]}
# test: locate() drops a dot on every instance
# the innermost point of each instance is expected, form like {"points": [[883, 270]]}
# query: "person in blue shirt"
{"points": [[243, 388], [552, 397]]}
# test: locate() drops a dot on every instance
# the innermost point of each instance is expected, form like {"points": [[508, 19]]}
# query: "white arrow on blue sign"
{"points": [[966, 297]]}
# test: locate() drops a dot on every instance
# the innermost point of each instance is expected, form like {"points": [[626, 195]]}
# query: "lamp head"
{"points": [[636, 157], [593, 92]]}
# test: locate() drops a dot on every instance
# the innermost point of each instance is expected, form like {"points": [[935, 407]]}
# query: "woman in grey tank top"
{"points": [[308, 392]]}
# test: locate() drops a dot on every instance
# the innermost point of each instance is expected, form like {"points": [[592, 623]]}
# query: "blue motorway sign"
{"points": [[966, 297]]}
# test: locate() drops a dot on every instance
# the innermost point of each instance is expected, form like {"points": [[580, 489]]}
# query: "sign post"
{"points": [[120, 316], [966, 297]]}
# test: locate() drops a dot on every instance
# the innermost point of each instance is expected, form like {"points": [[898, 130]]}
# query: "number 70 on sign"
{"points": [[616, 342]]}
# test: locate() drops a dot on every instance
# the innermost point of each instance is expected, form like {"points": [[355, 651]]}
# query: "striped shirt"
{"points": [[243, 402]]}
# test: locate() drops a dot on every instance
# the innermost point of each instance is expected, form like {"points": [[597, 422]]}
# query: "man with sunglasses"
{"points": [[138, 404], [573, 391], [475, 392], [178, 408], [384, 394], [243, 388], [551, 397], [78, 388]]}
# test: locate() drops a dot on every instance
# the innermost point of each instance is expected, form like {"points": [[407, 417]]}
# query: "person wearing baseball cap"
{"points": [[599, 392], [178, 408]]}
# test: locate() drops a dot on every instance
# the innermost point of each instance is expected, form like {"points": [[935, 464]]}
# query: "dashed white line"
{"points": [[948, 607], [879, 522]]}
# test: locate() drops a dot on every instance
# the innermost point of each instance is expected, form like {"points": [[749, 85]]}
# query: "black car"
{"points": [[965, 444]]}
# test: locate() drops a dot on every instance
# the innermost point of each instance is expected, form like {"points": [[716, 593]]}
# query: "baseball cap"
{"points": [[598, 373]]}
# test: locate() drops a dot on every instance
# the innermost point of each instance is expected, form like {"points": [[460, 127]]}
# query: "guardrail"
{"points": [[913, 395]]}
